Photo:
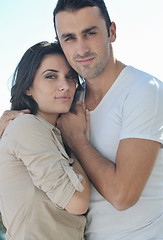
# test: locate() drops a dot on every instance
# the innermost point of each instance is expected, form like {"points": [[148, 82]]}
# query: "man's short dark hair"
{"points": [[73, 5]]}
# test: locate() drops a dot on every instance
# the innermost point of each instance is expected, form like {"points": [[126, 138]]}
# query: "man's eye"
{"points": [[69, 39], [91, 33]]}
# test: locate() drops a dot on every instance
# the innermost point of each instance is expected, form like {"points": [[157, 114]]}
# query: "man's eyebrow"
{"points": [[89, 29], [67, 35], [50, 70]]}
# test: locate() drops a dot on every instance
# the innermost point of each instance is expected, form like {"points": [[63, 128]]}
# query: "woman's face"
{"points": [[53, 87]]}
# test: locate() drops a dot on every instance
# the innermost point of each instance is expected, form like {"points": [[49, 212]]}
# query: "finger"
{"points": [[88, 124], [25, 111], [3, 126], [10, 115], [87, 115], [80, 108]]}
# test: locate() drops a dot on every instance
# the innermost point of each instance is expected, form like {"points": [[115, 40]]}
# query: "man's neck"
{"points": [[98, 87]]}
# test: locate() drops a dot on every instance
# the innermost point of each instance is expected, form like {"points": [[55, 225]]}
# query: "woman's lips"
{"points": [[63, 98]]}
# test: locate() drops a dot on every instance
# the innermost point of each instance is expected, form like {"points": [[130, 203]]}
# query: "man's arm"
{"points": [[122, 183], [8, 116]]}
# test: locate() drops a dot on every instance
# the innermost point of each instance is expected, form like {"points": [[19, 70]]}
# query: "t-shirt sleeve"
{"points": [[50, 171], [143, 111]]}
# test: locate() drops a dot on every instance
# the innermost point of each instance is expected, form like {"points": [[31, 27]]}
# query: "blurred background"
{"points": [[24, 23]]}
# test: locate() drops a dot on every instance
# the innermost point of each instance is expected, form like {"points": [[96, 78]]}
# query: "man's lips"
{"points": [[85, 61]]}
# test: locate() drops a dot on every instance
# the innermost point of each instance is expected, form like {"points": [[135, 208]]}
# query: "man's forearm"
{"points": [[122, 183], [100, 170]]}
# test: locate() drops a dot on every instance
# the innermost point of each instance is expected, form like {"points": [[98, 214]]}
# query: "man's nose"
{"points": [[82, 48]]}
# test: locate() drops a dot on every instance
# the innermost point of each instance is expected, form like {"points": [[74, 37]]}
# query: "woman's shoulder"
{"points": [[23, 120], [22, 123]]}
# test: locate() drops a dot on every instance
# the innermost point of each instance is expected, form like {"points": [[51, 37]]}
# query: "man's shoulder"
{"points": [[138, 74], [143, 80]]}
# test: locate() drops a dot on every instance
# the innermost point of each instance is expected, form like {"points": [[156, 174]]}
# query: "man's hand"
{"points": [[9, 116], [74, 126]]}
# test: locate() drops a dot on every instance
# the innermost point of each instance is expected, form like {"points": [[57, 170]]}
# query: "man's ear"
{"points": [[28, 92], [56, 38], [112, 32]]}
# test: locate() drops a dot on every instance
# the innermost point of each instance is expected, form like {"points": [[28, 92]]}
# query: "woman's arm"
{"points": [[80, 200], [47, 164]]}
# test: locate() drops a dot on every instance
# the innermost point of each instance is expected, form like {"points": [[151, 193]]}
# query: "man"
{"points": [[123, 159]]}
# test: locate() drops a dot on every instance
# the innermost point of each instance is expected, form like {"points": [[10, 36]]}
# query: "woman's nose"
{"points": [[63, 85]]}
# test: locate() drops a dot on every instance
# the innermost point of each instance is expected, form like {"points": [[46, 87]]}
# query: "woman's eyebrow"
{"points": [[50, 70]]}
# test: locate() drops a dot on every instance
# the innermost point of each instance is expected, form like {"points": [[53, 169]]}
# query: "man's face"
{"points": [[84, 39]]}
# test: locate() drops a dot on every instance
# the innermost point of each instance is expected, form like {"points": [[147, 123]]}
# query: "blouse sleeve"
{"points": [[31, 142]]}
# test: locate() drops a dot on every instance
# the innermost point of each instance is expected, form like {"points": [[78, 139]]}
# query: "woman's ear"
{"points": [[28, 92]]}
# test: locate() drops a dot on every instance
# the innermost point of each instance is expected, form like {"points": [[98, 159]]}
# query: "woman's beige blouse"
{"points": [[36, 182]]}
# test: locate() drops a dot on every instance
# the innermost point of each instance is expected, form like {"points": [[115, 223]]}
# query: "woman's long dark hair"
{"points": [[25, 72]]}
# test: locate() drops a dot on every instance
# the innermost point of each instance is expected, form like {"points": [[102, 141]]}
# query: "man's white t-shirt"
{"points": [[132, 108]]}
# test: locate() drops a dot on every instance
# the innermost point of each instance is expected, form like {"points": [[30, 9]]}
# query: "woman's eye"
{"points": [[71, 77], [51, 76]]}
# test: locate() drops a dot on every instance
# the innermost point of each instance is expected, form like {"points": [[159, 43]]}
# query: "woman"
{"points": [[43, 192]]}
